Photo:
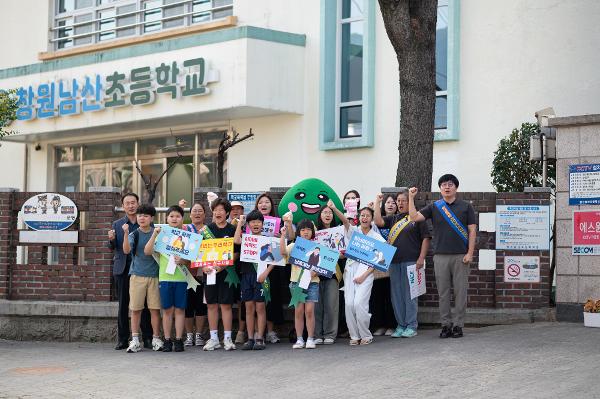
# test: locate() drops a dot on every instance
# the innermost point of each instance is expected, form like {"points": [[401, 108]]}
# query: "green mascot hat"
{"points": [[306, 198]]}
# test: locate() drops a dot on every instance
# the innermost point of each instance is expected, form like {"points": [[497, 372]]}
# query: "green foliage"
{"points": [[8, 111], [512, 170]]}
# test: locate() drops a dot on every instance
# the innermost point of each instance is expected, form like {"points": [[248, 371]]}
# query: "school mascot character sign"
{"points": [[306, 198]]}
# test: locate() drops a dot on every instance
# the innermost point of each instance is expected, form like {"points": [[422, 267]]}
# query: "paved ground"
{"points": [[542, 360]]}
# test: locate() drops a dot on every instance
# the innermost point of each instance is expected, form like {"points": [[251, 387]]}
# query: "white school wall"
{"points": [[515, 57]]}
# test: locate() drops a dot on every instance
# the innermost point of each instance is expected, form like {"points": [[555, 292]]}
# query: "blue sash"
{"points": [[452, 220]]}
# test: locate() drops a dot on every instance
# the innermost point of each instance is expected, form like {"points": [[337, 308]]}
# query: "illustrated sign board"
{"points": [[248, 199], [584, 184], [138, 86], [256, 249], [586, 233], [271, 226], [370, 252], [313, 256], [49, 211], [521, 269], [177, 242], [215, 252], [523, 227]]}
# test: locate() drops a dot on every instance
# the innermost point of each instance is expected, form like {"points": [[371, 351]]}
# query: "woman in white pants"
{"points": [[358, 284]]}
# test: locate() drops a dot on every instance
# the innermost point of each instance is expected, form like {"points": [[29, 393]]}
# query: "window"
{"points": [[446, 71], [112, 164], [82, 22], [347, 73]]}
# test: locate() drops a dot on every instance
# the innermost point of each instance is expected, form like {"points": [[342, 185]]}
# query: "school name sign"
{"points": [[136, 87]]}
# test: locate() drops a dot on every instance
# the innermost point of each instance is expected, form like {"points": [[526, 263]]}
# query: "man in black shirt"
{"points": [[411, 240], [454, 233]]}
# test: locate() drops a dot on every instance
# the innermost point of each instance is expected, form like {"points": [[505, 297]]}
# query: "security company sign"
{"points": [[586, 233], [522, 269], [49, 211]]}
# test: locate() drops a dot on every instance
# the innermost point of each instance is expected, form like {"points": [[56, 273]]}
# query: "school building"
{"points": [[105, 82]]}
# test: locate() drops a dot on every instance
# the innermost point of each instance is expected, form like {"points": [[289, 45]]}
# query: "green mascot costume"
{"points": [[306, 198]]}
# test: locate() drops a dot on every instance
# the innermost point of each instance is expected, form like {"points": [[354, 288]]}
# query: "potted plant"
{"points": [[591, 313]]}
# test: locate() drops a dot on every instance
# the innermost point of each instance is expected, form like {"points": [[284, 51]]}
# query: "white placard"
{"points": [[305, 279], [521, 269], [262, 266], [49, 236], [211, 278], [523, 227], [416, 281], [487, 222], [487, 259], [171, 266]]}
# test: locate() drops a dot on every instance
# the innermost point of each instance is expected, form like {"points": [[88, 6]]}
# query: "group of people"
{"points": [[373, 302]]}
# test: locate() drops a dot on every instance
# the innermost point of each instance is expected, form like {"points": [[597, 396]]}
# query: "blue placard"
{"points": [[584, 184], [247, 199], [369, 251], [313, 256], [172, 241]]}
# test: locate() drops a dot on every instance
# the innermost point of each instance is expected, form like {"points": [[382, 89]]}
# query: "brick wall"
{"points": [[91, 281], [68, 280]]}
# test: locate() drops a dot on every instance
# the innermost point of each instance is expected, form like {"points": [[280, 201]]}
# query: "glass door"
{"points": [[94, 176], [122, 175], [152, 169]]}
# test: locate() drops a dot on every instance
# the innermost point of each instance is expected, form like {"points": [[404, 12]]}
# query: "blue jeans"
{"points": [[405, 309]]}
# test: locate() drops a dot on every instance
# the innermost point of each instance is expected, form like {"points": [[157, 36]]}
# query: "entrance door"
{"points": [[94, 176], [152, 169], [122, 176]]}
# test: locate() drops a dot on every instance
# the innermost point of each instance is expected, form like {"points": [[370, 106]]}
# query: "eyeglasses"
{"points": [[447, 184]]}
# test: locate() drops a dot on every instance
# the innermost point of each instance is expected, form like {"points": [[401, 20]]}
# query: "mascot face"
{"points": [[306, 199]]}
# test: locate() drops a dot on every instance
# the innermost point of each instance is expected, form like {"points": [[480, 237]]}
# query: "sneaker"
{"points": [[318, 341], [398, 332], [211, 345], [168, 347], [311, 344], [248, 346], [157, 344], [121, 345], [189, 340], [457, 332], [259, 345], [178, 345], [366, 341], [240, 337], [272, 337], [329, 341], [354, 342], [389, 332], [446, 332], [298, 345], [199, 340], [379, 331], [409, 333], [134, 346], [228, 344]]}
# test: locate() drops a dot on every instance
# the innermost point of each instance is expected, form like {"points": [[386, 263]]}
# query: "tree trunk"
{"points": [[411, 28]]}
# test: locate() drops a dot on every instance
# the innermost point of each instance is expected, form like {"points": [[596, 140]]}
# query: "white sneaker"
{"points": [[379, 331], [272, 337], [189, 340], [329, 341], [211, 345], [298, 345], [318, 341], [389, 332], [228, 344], [157, 344], [134, 346], [310, 344], [199, 340]]}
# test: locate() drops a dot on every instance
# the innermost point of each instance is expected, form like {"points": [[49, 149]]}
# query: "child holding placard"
{"points": [[358, 284], [306, 230], [172, 286], [254, 290]]}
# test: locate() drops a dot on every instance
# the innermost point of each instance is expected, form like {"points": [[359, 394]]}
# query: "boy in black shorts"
{"points": [[253, 287]]}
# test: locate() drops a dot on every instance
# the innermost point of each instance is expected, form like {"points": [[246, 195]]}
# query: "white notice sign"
{"points": [[522, 269], [523, 227]]}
